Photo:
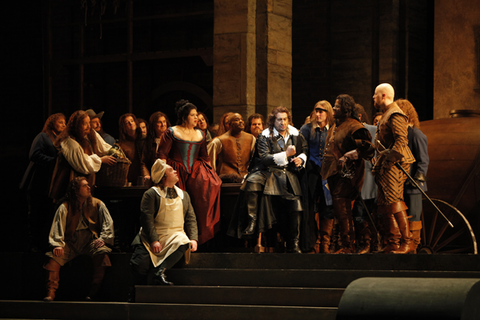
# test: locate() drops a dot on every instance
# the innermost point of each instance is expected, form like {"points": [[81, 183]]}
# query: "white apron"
{"points": [[169, 224]]}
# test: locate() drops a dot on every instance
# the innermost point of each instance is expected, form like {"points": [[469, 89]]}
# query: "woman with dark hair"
{"points": [[37, 178], [185, 150], [132, 145], [223, 125], [376, 118], [203, 124], [158, 123], [83, 151]]}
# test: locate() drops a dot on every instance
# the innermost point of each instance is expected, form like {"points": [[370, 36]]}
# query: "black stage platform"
{"points": [[217, 285]]}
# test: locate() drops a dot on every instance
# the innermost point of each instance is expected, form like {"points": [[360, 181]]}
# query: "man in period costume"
{"points": [[418, 144], [169, 228], [348, 143], [281, 153], [392, 147], [230, 153], [368, 195], [82, 225]]}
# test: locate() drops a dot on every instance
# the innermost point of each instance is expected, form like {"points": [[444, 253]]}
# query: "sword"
{"points": [[398, 165], [371, 218]]}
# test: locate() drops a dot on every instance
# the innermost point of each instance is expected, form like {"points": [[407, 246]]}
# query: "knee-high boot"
{"points": [[294, 232], [53, 278], [326, 229], [100, 264], [252, 206], [343, 212], [406, 244], [416, 230], [366, 234], [390, 225]]}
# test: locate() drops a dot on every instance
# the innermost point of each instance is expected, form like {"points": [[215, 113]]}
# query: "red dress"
{"points": [[196, 176]]}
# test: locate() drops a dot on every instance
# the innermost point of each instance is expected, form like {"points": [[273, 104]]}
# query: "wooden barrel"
{"points": [[454, 170]]}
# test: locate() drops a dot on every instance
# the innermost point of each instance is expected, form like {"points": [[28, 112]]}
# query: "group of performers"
{"points": [[296, 185]]}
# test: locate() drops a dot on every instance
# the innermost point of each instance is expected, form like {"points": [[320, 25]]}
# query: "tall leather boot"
{"points": [[366, 234], [406, 245], [416, 230], [294, 232], [53, 278], [343, 212], [317, 246], [326, 229], [100, 264], [391, 225], [252, 201]]}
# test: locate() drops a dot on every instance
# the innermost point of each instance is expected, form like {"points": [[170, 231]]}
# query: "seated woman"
{"points": [[185, 149]]}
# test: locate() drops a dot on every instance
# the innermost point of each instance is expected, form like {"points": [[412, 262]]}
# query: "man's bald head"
{"points": [[384, 95]]}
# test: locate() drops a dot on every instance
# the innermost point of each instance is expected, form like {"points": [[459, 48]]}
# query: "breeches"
{"points": [[142, 263], [390, 185], [82, 243], [414, 204], [342, 187]]}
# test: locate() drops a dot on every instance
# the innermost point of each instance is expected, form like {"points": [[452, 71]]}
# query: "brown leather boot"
{"points": [[317, 245], [390, 225], [366, 234], [53, 278], [100, 264], [343, 212], [326, 228], [406, 245], [416, 230]]}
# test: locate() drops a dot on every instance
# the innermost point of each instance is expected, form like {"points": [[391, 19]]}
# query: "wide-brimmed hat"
{"points": [[158, 170], [92, 114]]}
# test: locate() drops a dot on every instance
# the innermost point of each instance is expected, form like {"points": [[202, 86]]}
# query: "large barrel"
{"points": [[454, 170]]}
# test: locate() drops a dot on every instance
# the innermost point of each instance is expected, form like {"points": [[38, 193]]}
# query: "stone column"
{"points": [[234, 57], [252, 56], [274, 55]]}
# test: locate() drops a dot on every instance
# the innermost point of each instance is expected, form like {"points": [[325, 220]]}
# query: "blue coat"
{"points": [[418, 144]]}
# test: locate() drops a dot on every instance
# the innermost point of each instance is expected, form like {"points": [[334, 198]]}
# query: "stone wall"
{"points": [[455, 60]]}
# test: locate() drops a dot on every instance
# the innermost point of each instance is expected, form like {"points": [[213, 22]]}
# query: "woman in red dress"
{"points": [[185, 149]]}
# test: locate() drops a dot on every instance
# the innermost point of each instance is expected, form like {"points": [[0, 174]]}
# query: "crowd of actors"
{"points": [[335, 185]]}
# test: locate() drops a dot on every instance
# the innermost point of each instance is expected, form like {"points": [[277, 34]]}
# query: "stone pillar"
{"points": [[234, 57], [252, 55], [274, 55]]}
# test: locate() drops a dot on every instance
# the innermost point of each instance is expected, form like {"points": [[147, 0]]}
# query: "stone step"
{"points": [[139, 311], [438, 262], [315, 278], [238, 295]]}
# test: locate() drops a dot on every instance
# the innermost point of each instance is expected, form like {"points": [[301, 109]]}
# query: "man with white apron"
{"points": [[168, 228]]}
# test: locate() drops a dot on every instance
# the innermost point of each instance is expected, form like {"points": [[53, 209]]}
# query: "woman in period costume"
{"points": [[158, 123], [185, 149], [37, 178], [132, 145]]}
